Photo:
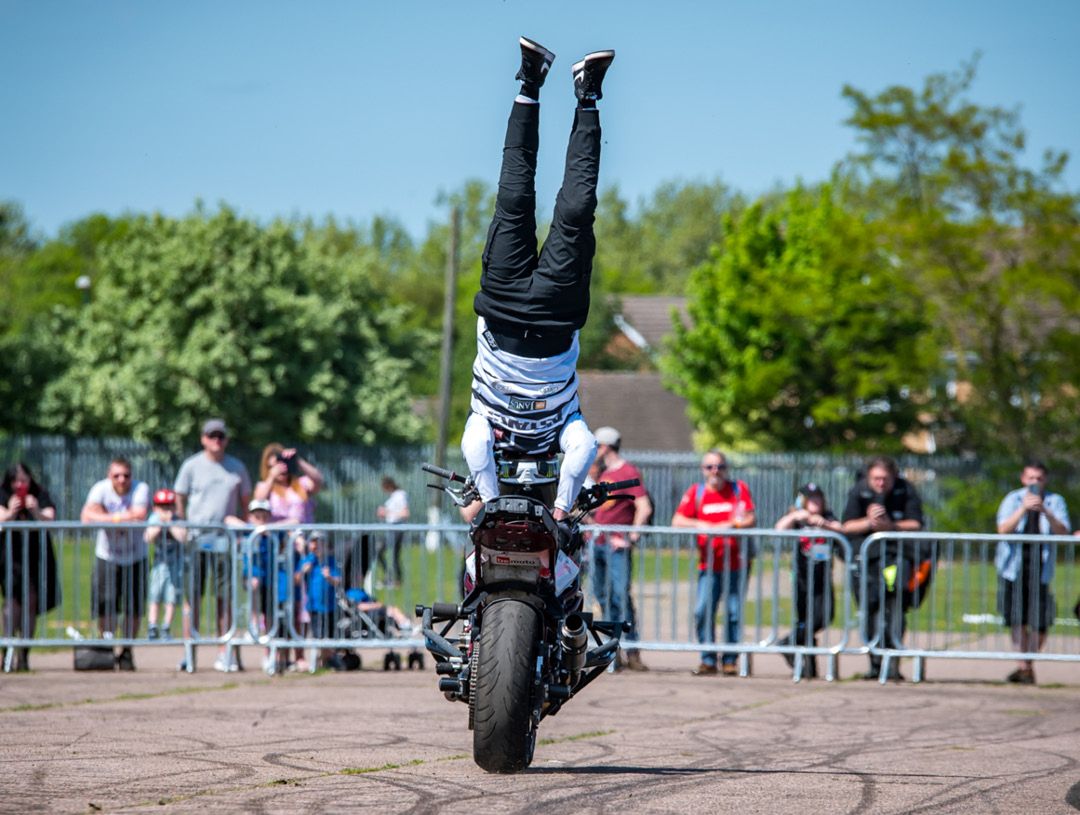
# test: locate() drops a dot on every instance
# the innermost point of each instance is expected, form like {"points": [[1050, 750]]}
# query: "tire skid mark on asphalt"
{"points": [[936, 803], [375, 776]]}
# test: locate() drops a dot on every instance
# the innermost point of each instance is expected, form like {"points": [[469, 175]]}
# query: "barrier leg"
{"points": [[744, 665], [917, 670]]}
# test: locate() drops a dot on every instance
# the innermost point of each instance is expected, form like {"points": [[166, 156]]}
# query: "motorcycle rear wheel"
{"points": [[504, 734]]}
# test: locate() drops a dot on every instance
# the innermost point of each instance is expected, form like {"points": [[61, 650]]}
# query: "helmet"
{"points": [[164, 497]]}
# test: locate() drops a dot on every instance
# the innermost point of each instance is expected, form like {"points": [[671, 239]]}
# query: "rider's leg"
{"points": [[560, 290], [579, 450], [477, 446], [509, 256]]}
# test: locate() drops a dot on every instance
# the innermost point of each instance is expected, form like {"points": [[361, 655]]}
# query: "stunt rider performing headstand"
{"points": [[530, 307]]}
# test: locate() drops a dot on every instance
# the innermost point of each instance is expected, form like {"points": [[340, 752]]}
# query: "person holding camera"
{"points": [[882, 501], [290, 483], [815, 602], [30, 562], [1025, 570]]}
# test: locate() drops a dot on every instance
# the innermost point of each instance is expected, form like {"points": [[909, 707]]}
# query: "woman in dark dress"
{"points": [[28, 574]]}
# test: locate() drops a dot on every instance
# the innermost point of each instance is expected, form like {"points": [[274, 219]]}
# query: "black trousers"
{"points": [[541, 296], [885, 612]]}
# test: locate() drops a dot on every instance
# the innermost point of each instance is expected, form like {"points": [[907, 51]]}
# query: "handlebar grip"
{"points": [[445, 611], [439, 471], [622, 485]]}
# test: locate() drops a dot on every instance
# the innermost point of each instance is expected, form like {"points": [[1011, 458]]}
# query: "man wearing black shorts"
{"points": [[531, 306], [120, 568], [1025, 570]]}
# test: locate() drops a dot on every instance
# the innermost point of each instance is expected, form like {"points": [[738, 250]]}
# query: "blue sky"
{"points": [[358, 109]]}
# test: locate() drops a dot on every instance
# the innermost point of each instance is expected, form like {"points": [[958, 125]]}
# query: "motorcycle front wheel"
{"points": [[504, 734]]}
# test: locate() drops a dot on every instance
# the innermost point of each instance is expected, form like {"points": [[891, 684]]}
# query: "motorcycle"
{"points": [[523, 648]]}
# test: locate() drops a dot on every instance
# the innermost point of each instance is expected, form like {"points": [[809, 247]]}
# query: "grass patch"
{"points": [[364, 770], [592, 734]]}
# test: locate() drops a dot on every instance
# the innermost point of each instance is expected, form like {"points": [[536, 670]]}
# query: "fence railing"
{"points": [[320, 593]]}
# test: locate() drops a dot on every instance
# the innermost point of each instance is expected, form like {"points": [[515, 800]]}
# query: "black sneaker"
{"points": [[589, 75], [535, 62], [125, 661], [152, 632]]}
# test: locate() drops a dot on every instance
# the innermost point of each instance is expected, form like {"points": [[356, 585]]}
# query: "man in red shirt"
{"points": [[722, 559], [612, 552]]}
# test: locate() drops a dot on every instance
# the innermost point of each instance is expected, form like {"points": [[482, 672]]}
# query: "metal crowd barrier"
{"points": [[761, 592], [802, 594], [944, 598]]}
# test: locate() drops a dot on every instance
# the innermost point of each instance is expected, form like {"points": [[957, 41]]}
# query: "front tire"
{"points": [[504, 734]]}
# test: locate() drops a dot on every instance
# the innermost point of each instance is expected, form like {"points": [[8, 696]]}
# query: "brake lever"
{"points": [[462, 497]]}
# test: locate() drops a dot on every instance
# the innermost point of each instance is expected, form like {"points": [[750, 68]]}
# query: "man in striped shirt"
{"points": [[531, 306]]}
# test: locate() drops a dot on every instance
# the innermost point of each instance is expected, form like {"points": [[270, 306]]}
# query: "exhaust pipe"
{"points": [[574, 638]]}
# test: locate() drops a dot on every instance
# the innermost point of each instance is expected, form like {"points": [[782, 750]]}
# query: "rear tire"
{"points": [[504, 734]]}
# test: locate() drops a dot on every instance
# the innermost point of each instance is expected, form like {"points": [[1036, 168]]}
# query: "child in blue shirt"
{"points": [[321, 575]]}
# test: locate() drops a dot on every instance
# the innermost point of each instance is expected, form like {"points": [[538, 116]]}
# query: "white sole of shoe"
{"points": [[549, 56], [593, 57]]}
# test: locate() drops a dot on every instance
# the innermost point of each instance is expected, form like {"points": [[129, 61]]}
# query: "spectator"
{"points": [[167, 576], [395, 510], [211, 488], [612, 553], [321, 576], [1025, 570], [26, 556], [883, 502], [815, 603], [267, 557], [722, 559], [119, 581], [289, 483], [301, 618]]}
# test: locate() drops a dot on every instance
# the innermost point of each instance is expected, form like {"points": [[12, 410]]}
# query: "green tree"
{"points": [[653, 249], [802, 335], [272, 328], [994, 244]]}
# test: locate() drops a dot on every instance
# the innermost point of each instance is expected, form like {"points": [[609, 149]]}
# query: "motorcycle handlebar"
{"points": [[439, 471], [621, 485]]}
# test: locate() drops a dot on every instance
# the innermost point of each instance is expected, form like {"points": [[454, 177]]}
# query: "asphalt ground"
{"points": [[662, 741]]}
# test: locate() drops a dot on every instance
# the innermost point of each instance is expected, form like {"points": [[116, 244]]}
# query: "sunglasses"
{"points": [[217, 434], [711, 467]]}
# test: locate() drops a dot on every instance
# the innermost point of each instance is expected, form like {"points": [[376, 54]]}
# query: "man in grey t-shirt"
{"points": [[212, 488]]}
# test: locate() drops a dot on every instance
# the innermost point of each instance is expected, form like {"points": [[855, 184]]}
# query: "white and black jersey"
{"points": [[530, 398]]}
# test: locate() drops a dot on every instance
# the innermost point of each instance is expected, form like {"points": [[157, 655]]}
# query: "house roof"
{"points": [[636, 404], [650, 315]]}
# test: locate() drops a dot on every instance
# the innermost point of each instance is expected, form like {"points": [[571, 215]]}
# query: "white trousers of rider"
{"points": [[575, 440]]}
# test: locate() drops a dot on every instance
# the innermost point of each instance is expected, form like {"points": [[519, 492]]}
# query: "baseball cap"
{"points": [[164, 497], [258, 504], [811, 490], [607, 435], [214, 426]]}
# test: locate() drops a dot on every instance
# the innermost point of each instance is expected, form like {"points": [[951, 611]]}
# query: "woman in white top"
{"points": [[395, 510]]}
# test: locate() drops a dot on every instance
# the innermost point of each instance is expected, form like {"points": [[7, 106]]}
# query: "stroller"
{"points": [[361, 616]]}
